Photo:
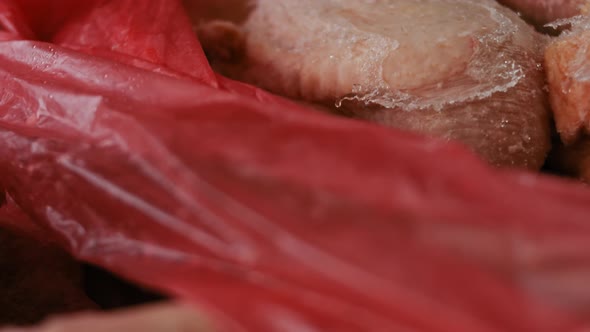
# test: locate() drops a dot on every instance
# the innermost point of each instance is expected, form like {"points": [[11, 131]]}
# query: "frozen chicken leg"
{"points": [[461, 70]]}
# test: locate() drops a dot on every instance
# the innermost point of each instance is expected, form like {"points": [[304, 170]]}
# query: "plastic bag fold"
{"points": [[119, 142]]}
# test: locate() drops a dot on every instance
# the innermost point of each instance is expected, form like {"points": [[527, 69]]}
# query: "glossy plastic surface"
{"points": [[120, 143]]}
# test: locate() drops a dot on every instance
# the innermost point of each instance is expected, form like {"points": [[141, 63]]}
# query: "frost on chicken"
{"points": [[483, 65], [366, 36], [460, 70]]}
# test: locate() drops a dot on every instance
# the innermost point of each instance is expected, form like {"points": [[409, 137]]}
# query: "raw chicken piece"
{"points": [[567, 62], [540, 12], [155, 318], [460, 70]]}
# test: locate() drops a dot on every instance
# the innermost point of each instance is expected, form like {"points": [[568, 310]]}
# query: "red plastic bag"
{"points": [[120, 143]]}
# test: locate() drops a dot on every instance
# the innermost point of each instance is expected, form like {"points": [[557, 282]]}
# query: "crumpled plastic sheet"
{"points": [[118, 142]]}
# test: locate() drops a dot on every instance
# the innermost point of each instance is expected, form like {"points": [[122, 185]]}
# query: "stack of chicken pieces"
{"points": [[465, 71]]}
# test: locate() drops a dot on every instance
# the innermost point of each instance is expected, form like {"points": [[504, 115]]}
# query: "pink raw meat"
{"points": [[462, 70], [567, 63]]}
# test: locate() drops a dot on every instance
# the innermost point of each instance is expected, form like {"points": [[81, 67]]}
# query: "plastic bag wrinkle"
{"points": [[209, 189]]}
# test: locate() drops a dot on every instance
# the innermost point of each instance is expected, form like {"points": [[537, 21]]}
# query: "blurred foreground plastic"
{"points": [[118, 142]]}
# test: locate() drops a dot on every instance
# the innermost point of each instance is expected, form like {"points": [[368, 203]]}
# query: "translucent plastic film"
{"points": [[119, 142]]}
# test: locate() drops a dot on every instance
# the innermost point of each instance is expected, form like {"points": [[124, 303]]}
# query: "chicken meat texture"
{"points": [[567, 62], [461, 70]]}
